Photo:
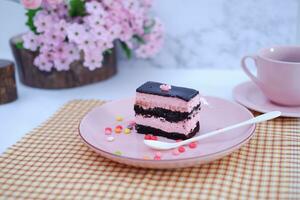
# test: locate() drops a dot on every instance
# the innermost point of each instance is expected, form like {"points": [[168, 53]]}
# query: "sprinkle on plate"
{"points": [[118, 153], [118, 129], [157, 157], [119, 118], [108, 131], [110, 138], [127, 131], [193, 145], [181, 149], [146, 157]]}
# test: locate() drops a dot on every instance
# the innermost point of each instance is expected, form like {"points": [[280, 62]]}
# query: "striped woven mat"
{"points": [[51, 162]]}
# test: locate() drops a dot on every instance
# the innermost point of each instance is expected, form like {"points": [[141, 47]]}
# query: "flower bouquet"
{"points": [[72, 42]]}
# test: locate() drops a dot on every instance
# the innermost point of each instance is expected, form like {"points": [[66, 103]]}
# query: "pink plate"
{"points": [[130, 149], [249, 95]]}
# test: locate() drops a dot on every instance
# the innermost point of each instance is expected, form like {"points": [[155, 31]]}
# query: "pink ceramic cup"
{"points": [[278, 73]]}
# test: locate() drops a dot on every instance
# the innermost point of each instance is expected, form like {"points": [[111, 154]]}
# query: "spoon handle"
{"points": [[258, 119]]}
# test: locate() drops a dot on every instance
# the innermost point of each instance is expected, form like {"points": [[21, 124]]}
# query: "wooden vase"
{"points": [[8, 89], [78, 75]]}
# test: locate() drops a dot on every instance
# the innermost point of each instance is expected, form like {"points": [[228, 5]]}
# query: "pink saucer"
{"points": [[130, 149], [249, 95]]}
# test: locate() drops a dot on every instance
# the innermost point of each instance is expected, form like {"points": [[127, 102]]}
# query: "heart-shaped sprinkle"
{"points": [[108, 131], [157, 158], [158, 153], [181, 149], [153, 137], [147, 137], [165, 87], [193, 145]]}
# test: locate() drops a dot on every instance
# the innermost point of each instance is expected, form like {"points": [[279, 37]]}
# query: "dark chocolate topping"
{"points": [[150, 87]]}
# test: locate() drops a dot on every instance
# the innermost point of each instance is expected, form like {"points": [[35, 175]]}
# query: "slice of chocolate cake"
{"points": [[167, 111]]}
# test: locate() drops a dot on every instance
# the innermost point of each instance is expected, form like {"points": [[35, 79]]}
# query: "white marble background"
{"points": [[199, 34], [217, 33]]}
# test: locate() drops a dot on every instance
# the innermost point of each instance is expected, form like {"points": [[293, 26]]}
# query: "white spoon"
{"points": [[165, 145]]}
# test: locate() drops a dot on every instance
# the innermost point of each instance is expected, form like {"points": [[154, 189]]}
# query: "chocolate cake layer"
{"points": [[168, 115], [175, 136], [150, 87]]}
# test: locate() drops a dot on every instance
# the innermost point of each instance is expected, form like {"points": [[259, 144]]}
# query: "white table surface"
{"points": [[34, 106]]}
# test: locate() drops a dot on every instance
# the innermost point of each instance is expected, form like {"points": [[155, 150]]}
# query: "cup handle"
{"points": [[247, 71]]}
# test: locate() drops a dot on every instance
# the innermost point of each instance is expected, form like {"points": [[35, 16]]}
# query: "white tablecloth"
{"points": [[34, 106]]}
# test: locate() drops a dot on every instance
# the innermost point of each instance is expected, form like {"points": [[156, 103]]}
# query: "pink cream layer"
{"points": [[170, 103], [183, 127]]}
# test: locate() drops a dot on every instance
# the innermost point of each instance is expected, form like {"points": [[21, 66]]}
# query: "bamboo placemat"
{"points": [[52, 163]]}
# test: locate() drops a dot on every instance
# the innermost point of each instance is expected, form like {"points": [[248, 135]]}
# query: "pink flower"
{"points": [[100, 33], [87, 44], [126, 32], [105, 44], [60, 28], [114, 31], [154, 41], [43, 22], [93, 59], [67, 51], [52, 38], [62, 64], [43, 46], [147, 3], [61, 11], [72, 52], [95, 8], [61, 38], [118, 15], [112, 4], [95, 21], [49, 55], [77, 33], [43, 63], [132, 5], [149, 49], [137, 23], [30, 41], [103, 39], [54, 2], [31, 4]]}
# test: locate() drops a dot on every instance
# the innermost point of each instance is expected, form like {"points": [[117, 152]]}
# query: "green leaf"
{"points": [[147, 29], [30, 16], [126, 49], [76, 8], [19, 45], [140, 39]]}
